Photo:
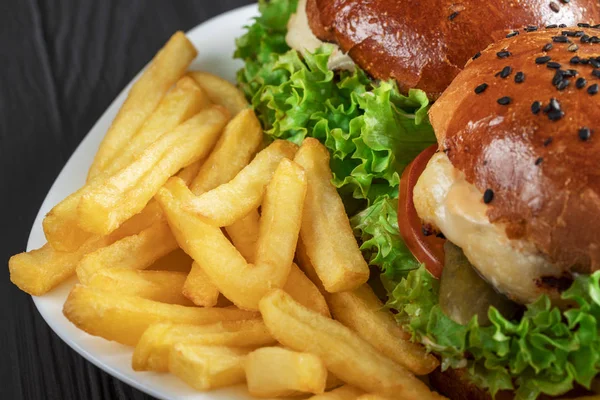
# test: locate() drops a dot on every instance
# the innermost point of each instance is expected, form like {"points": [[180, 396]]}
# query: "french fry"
{"points": [[38, 271], [166, 68], [345, 392], [305, 292], [176, 260], [152, 351], [184, 101], [306, 266], [221, 91], [238, 143], [231, 201], [244, 234], [124, 319], [337, 260], [161, 286], [372, 396], [234, 150], [132, 252], [105, 206], [278, 372], [240, 282], [61, 224], [188, 173], [361, 311], [345, 354], [199, 289], [208, 367]]}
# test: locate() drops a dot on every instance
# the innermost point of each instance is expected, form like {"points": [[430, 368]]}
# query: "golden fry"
{"points": [[152, 351], [344, 353], [234, 150], [108, 204], [244, 234], [361, 311], [221, 91], [133, 252], [199, 288], [208, 367], [169, 64], [337, 260], [345, 392], [277, 372], [231, 201], [161, 286], [240, 282], [305, 292], [124, 319]]}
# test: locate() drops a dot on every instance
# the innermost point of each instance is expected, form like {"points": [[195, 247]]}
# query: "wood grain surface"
{"points": [[62, 63]]}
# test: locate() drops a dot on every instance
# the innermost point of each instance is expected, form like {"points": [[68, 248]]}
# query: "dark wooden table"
{"points": [[62, 63]]}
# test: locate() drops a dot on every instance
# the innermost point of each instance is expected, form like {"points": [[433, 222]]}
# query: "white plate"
{"points": [[214, 40]]}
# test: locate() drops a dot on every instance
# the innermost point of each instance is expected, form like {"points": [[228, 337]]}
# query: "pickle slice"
{"points": [[464, 293]]}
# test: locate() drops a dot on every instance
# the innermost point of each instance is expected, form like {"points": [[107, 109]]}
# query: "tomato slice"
{"points": [[428, 250]]}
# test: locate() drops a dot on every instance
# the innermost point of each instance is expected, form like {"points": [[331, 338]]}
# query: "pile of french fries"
{"points": [[220, 259]]}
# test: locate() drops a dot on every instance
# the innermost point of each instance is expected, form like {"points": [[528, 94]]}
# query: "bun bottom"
{"points": [[454, 384]]}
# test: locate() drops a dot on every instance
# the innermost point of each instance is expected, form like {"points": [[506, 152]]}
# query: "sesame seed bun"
{"points": [[532, 148], [425, 44]]}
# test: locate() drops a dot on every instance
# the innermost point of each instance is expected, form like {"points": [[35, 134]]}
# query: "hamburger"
{"points": [[462, 141]]}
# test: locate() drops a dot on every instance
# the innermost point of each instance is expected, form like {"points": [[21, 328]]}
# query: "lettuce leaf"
{"points": [[547, 351], [371, 130]]}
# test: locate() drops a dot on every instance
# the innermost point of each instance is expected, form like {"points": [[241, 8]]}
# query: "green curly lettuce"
{"points": [[547, 351], [371, 130]]}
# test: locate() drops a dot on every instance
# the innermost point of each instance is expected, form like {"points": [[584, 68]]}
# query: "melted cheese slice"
{"points": [[301, 38], [446, 200]]}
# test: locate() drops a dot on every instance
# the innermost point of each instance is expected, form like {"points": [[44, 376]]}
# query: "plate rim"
{"points": [[252, 11]]}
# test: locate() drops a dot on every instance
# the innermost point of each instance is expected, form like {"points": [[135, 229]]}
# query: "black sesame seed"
{"points": [[562, 85], [506, 71], [597, 26], [585, 133], [593, 89], [503, 54], [583, 25], [585, 39], [558, 77], [548, 142], [562, 26], [547, 47], [536, 107], [512, 34], [453, 15], [560, 39], [575, 60], [569, 33], [539, 161], [573, 48], [481, 88], [594, 63], [554, 104], [553, 65], [488, 196], [596, 73], [543, 59], [595, 40], [504, 101], [551, 26], [555, 115], [579, 33], [476, 56], [531, 28], [519, 77], [554, 7], [569, 73], [565, 1], [580, 83]]}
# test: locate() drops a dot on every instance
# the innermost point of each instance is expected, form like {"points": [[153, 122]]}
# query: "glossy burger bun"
{"points": [[543, 167], [425, 44]]}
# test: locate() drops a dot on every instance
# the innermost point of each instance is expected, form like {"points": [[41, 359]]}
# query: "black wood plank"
{"points": [[63, 62]]}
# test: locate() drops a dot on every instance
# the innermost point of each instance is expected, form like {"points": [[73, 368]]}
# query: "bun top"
{"points": [[522, 122], [425, 44]]}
